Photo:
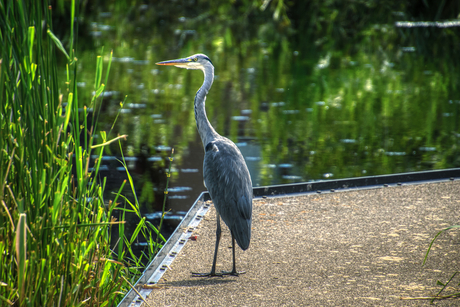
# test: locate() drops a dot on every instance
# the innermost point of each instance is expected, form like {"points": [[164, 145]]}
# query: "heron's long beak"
{"points": [[178, 62]]}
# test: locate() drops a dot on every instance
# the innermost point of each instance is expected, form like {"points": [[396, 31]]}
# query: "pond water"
{"points": [[302, 100]]}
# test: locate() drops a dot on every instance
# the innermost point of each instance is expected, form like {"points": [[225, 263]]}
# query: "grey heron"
{"points": [[226, 175]]}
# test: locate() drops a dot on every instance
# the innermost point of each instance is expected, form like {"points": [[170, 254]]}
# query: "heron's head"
{"points": [[196, 61]]}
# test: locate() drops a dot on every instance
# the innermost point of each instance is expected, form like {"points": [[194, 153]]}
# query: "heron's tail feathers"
{"points": [[241, 231]]}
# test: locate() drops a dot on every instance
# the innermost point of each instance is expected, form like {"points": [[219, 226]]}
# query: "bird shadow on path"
{"points": [[200, 281]]}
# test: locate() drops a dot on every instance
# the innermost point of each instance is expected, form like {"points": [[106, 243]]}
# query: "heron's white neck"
{"points": [[206, 131]]}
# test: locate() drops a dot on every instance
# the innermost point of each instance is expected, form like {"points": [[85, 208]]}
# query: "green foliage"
{"points": [[443, 286], [55, 225]]}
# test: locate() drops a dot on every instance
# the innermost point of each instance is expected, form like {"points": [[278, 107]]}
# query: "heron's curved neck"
{"points": [[206, 131]]}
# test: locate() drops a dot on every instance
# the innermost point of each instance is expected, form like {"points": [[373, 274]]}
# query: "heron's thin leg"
{"points": [[233, 250], [218, 234], [234, 271]]}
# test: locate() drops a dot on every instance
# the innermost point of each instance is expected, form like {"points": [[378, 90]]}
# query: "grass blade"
{"points": [[21, 252], [434, 239], [58, 43]]}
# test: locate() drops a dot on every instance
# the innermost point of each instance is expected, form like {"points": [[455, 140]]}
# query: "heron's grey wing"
{"points": [[241, 228], [229, 184]]}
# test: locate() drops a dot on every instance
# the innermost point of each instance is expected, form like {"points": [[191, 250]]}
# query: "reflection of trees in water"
{"points": [[332, 89]]}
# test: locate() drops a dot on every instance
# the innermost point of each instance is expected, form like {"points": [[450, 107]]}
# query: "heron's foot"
{"points": [[221, 274], [233, 273]]}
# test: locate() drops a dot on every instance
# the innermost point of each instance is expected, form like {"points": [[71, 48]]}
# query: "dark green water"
{"points": [[339, 92]]}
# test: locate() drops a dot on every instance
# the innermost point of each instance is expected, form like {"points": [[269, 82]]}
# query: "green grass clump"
{"points": [[55, 227], [443, 286]]}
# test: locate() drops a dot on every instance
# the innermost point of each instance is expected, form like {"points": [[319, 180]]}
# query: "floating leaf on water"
{"points": [[348, 141], [395, 153], [163, 148], [426, 148], [189, 170], [290, 111], [240, 118], [292, 177], [154, 159], [179, 189]]}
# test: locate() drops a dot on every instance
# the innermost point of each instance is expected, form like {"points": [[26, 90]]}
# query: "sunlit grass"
{"points": [[443, 286], [55, 226]]}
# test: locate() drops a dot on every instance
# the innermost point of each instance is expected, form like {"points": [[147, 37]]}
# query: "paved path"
{"points": [[356, 248]]}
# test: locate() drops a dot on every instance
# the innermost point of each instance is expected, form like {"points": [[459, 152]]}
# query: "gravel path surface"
{"points": [[355, 248]]}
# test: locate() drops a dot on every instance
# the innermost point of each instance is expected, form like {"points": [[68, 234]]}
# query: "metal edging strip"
{"points": [[356, 183], [158, 266]]}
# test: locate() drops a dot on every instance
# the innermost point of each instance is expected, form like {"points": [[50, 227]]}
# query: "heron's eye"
{"points": [[195, 59]]}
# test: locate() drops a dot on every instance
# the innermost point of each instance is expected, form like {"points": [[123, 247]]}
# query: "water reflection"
{"points": [[299, 108]]}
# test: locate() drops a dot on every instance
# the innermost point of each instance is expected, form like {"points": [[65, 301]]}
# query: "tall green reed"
{"points": [[55, 225]]}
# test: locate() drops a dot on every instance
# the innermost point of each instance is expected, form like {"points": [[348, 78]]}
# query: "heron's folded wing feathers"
{"points": [[229, 183]]}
